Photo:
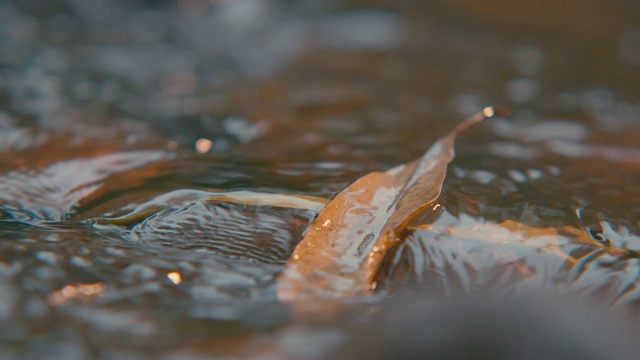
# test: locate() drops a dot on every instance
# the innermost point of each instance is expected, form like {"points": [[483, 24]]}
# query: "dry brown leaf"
{"points": [[344, 246]]}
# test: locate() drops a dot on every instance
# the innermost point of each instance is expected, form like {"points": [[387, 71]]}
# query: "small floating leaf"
{"points": [[344, 246]]}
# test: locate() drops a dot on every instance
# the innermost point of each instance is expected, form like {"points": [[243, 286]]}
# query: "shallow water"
{"points": [[120, 106]]}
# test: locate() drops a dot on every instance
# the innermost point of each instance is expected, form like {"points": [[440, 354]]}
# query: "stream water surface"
{"points": [[113, 107]]}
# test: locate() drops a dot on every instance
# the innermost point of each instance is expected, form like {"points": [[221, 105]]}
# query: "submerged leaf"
{"points": [[546, 240], [251, 198], [244, 197], [344, 246]]}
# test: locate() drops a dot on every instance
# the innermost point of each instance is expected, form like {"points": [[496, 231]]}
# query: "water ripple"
{"points": [[51, 193], [228, 229]]}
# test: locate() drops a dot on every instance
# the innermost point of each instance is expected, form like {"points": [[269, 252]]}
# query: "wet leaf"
{"points": [[344, 246]]}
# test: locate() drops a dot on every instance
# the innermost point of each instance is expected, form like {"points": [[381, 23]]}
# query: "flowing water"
{"points": [[113, 107]]}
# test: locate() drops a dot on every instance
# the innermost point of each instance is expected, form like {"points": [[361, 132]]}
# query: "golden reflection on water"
{"points": [[203, 145], [175, 277], [82, 292]]}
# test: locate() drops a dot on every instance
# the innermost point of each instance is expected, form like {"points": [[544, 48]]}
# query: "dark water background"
{"points": [[107, 105]]}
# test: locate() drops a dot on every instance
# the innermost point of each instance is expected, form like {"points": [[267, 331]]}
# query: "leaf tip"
{"points": [[491, 111]]}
